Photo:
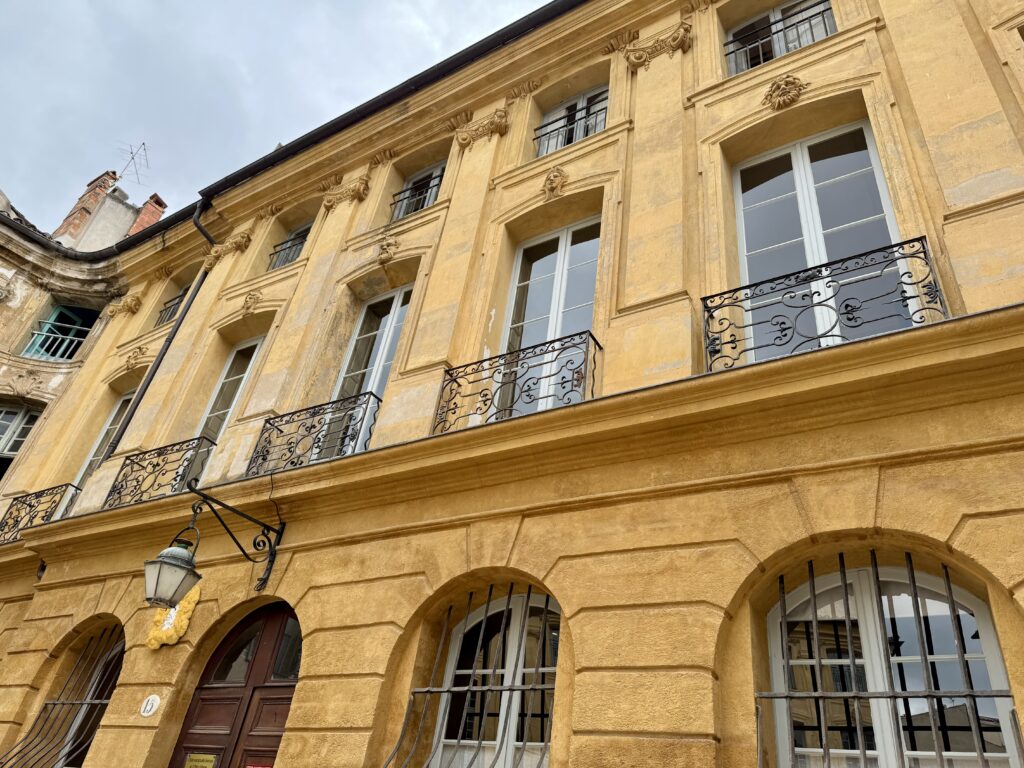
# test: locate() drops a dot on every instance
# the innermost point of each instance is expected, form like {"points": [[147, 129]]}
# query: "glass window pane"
{"points": [[528, 334], [240, 362], [289, 652], [839, 156], [577, 320], [234, 667], [849, 199], [533, 300], [583, 244], [772, 223], [776, 262], [539, 260], [765, 181], [579, 285], [859, 238]]}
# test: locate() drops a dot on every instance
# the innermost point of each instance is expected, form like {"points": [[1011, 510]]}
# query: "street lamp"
{"points": [[172, 574]]}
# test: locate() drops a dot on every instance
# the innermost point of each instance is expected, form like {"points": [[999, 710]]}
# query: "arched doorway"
{"points": [[239, 709]]}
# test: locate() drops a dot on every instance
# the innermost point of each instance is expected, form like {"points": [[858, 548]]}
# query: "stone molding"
{"points": [[24, 382], [387, 249], [236, 242], [690, 6], [495, 123], [522, 90], [784, 91], [268, 211], [458, 121], [382, 157], [641, 53], [619, 41], [129, 305], [554, 182], [133, 358], [251, 301], [355, 190]]}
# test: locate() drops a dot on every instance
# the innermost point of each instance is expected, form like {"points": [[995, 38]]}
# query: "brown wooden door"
{"points": [[239, 709]]}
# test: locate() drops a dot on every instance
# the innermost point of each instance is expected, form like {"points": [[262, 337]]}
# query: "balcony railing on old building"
{"points": [[566, 130], [759, 43], [416, 197], [35, 509], [170, 308], [887, 289], [320, 433], [288, 251], [549, 375], [160, 472], [56, 341]]}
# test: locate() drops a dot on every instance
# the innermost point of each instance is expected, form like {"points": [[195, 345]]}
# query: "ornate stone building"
{"points": [[642, 386]]}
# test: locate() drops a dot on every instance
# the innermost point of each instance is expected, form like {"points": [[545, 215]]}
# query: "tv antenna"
{"points": [[138, 161]]}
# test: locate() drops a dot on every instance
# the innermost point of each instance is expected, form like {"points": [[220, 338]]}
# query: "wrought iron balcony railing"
{"points": [[418, 196], [34, 509], [170, 308], [549, 375], [875, 292], [160, 472], [319, 433], [790, 33], [565, 130], [288, 251]]}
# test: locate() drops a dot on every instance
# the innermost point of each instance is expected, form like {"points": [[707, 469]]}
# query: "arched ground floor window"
{"points": [[887, 666], [490, 697]]}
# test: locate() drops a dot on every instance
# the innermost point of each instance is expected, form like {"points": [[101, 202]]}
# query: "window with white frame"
{"points": [[16, 422], [372, 350], [881, 664], [781, 30], [109, 430], [236, 371], [813, 203], [572, 120], [418, 192], [492, 695], [60, 336], [288, 250]]}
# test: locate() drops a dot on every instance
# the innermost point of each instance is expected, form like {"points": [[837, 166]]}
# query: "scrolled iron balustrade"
{"points": [[549, 375], [34, 509], [879, 291], [566, 130], [287, 252], [160, 472], [310, 435], [790, 33], [415, 198]]}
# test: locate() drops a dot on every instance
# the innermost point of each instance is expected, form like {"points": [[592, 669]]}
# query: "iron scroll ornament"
{"points": [[266, 541]]}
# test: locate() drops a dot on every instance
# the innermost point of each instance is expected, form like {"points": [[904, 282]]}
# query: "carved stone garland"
{"points": [[134, 356], [784, 91], [496, 123], [357, 190], [640, 54]]}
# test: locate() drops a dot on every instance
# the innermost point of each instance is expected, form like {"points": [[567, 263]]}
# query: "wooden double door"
{"points": [[240, 707]]}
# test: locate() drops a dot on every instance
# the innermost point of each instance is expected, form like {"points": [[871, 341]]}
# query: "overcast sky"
{"points": [[208, 85]]}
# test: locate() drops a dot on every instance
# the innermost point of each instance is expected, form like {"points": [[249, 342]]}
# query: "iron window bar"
{"points": [[319, 433], [415, 197], [540, 377], [287, 251], [932, 694], [436, 692], [170, 308], [758, 46], [66, 724], [59, 341], [159, 472], [34, 509], [878, 291], [565, 130]]}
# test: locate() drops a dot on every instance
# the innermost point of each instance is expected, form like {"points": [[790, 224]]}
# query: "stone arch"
{"points": [[424, 645], [742, 644]]}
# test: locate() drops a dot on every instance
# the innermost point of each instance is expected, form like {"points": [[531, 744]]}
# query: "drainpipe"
{"points": [[202, 205]]}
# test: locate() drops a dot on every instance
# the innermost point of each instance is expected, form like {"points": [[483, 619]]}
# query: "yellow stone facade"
{"points": [[660, 513]]}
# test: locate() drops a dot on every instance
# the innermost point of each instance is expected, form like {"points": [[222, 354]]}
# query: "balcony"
{"points": [[775, 35], [879, 291], [56, 341], [574, 126], [35, 509], [170, 308], [159, 472], [549, 375], [415, 197], [315, 434], [288, 251]]}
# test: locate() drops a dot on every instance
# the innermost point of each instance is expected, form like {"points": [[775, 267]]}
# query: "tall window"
{"points": [[785, 28], [61, 335], [288, 250], [906, 661], [64, 729], [493, 698], [16, 423], [816, 202], [111, 427], [373, 348], [418, 192], [217, 414], [572, 120]]}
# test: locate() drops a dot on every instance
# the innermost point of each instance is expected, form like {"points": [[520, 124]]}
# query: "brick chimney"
{"points": [[149, 213], [80, 212]]}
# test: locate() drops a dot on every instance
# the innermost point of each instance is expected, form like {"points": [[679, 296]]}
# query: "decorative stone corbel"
{"points": [[554, 182], [129, 305], [522, 91], [170, 624], [690, 6], [619, 41], [641, 53], [356, 189], [458, 121], [268, 211], [382, 157], [784, 91], [132, 360], [387, 249], [25, 381], [251, 301], [163, 273], [237, 242], [496, 123]]}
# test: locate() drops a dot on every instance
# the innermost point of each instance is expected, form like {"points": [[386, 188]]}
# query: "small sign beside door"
{"points": [[197, 760], [149, 705]]}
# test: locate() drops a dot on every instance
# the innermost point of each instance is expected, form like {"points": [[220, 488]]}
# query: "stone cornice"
{"points": [[961, 360]]}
